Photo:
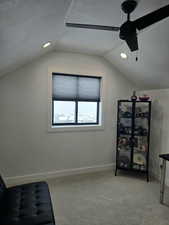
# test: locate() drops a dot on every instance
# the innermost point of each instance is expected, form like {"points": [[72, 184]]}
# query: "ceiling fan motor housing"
{"points": [[129, 6], [127, 30]]}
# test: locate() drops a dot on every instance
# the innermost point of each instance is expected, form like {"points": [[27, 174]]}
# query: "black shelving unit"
{"points": [[133, 136]]}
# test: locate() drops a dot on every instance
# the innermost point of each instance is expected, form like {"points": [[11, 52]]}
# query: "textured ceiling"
{"points": [[26, 25]]}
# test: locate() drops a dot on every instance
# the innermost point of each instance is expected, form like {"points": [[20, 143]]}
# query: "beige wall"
{"points": [[26, 146], [159, 139]]}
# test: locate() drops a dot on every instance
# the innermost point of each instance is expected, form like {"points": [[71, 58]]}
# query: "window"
{"points": [[75, 99]]}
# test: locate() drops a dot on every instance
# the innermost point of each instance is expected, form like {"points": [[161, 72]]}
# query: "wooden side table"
{"points": [[164, 157]]}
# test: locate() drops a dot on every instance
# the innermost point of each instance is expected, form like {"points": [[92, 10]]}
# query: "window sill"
{"points": [[73, 128]]}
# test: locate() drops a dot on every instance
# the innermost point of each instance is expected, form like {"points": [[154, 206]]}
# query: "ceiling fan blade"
{"points": [[132, 42], [152, 18], [89, 26]]}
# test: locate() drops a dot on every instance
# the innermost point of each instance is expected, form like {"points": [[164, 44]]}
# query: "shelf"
{"points": [[139, 135], [130, 134], [124, 134], [139, 151], [134, 126], [132, 169], [124, 150], [141, 117], [136, 117], [141, 170], [121, 101]]}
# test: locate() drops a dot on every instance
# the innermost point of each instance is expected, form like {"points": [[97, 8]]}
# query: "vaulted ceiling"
{"points": [[26, 24]]}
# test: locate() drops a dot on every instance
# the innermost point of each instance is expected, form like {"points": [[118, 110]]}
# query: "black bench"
{"points": [[27, 204], [164, 157]]}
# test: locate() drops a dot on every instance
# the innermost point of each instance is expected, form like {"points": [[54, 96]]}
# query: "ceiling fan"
{"points": [[128, 30]]}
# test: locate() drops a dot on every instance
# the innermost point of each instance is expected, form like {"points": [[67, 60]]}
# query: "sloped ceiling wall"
{"points": [[26, 25], [152, 68]]}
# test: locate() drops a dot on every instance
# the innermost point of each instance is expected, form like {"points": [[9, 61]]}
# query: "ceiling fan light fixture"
{"points": [[47, 44], [123, 55]]}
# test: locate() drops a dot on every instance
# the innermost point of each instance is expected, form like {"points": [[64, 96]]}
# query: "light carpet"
{"points": [[103, 199]]}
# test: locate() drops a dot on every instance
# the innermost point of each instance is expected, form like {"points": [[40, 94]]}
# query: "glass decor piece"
{"points": [[133, 132]]}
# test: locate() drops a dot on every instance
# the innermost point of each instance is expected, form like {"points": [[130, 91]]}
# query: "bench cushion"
{"points": [[28, 204]]}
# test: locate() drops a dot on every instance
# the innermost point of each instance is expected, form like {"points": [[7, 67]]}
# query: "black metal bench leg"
{"points": [[147, 176], [116, 172], [162, 182]]}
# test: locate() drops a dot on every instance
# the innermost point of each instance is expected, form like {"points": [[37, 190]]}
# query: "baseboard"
{"points": [[167, 182], [58, 173], [156, 177]]}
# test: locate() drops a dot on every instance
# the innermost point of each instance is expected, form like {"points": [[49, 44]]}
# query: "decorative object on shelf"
{"points": [[144, 97], [124, 161], [134, 96], [133, 133], [139, 159]]}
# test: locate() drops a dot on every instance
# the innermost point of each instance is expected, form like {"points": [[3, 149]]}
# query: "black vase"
{"points": [[134, 96]]}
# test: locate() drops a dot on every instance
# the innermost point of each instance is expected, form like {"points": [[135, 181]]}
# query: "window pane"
{"points": [[87, 112], [63, 112]]}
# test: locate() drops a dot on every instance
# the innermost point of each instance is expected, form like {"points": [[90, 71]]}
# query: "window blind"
{"points": [[75, 88]]}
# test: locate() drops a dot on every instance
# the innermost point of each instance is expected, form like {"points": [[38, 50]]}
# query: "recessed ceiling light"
{"points": [[123, 55], [47, 44]]}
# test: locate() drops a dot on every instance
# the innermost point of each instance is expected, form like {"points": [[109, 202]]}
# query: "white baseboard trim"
{"points": [[58, 173], [167, 182], [157, 178], [154, 175]]}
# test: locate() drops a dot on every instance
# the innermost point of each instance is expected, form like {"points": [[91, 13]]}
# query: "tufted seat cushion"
{"points": [[28, 204]]}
